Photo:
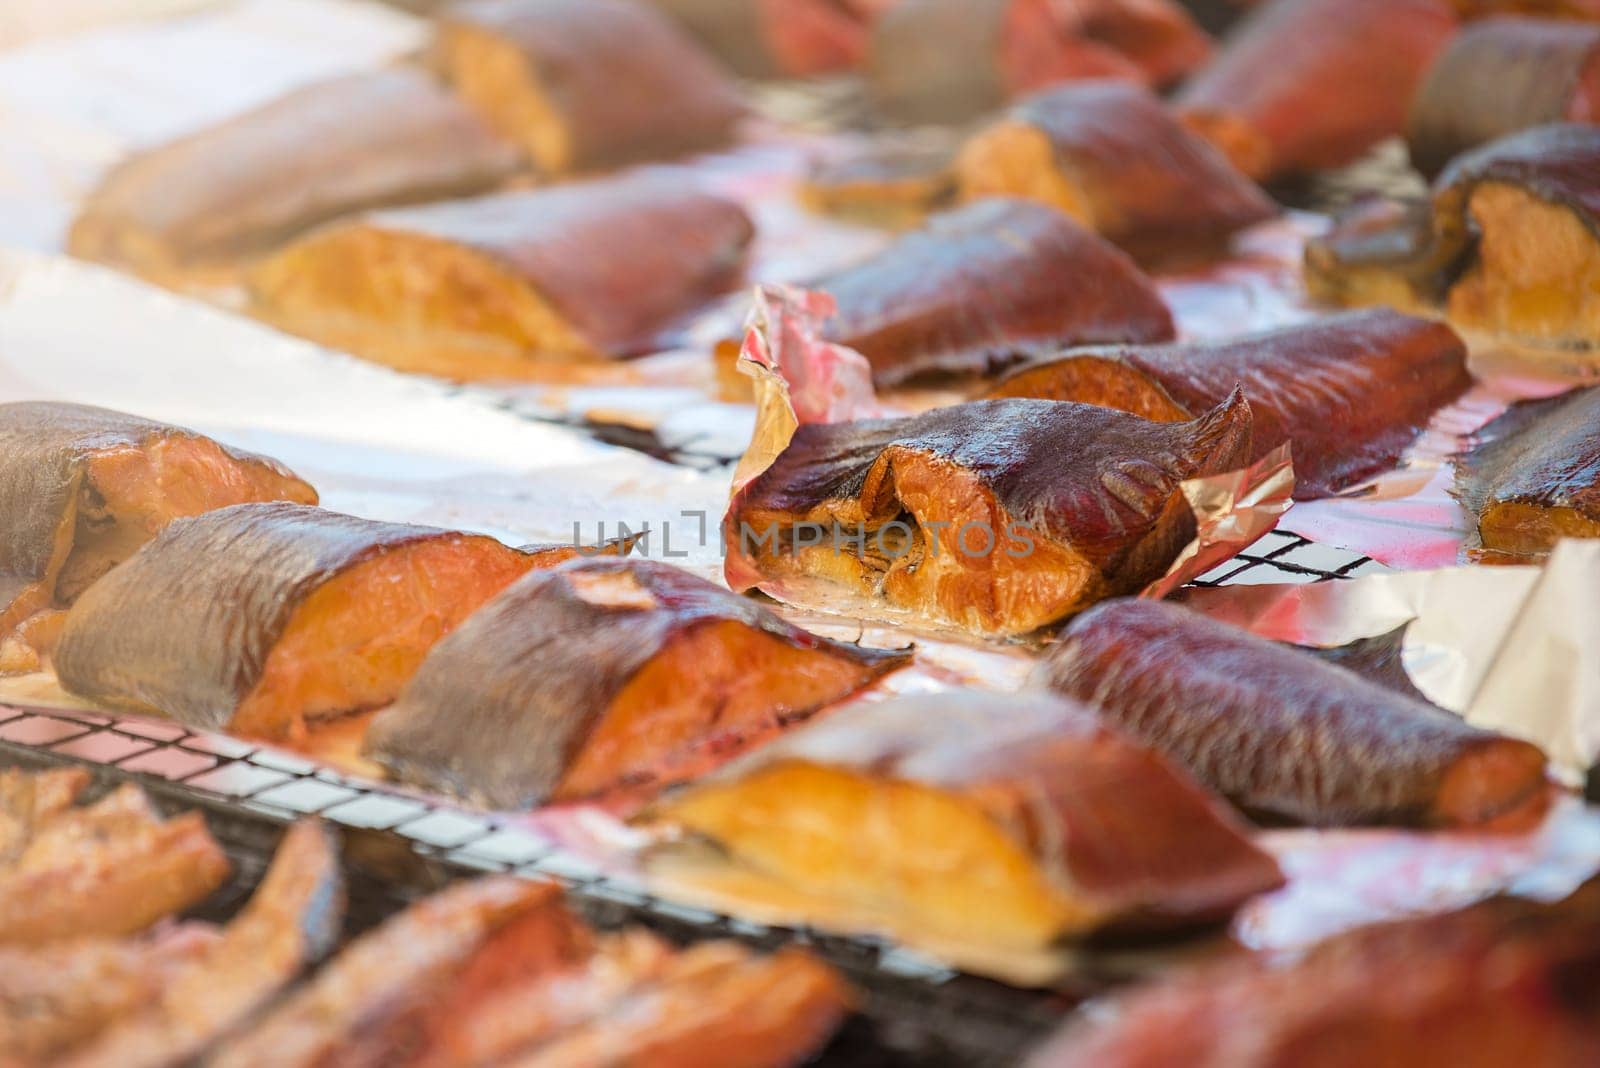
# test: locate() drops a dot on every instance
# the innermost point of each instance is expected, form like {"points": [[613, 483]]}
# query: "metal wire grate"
{"points": [[970, 1020]]}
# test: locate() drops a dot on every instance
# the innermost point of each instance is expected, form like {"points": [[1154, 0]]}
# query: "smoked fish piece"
{"points": [[998, 517], [82, 488], [1383, 251], [110, 868], [199, 208], [291, 923], [779, 38], [985, 285], [55, 997], [1351, 391], [1505, 981], [499, 972], [30, 799], [1500, 76], [1531, 202], [387, 992], [264, 618], [894, 182], [1285, 734], [586, 84], [498, 286], [1110, 155], [1008, 821], [1306, 85], [714, 1003], [1532, 476], [606, 674], [1509, 245], [951, 60]]}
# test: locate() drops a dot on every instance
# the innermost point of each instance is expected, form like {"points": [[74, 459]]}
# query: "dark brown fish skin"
{"points": [[45, 449], [291, 923], [1098, 485], [1557, 162], [625, 81], [235, 190], [1541, 455], [618, 258], [1505, 981], [501, 709], [1499, 76], [1352, 391], [1284, 734], [1150, 182], [185, 627], [985, 285], [1305, 85]]}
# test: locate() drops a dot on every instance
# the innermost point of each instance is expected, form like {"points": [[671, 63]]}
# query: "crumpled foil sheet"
{"points": [[1509, 647]]}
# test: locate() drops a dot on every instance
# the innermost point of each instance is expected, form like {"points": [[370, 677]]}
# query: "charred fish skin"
{"points": [[530, 701], [226, 587], [1020, 786], [62, 482], [985, 285], [1351, 391], [1306, 85], [584, 85], [1071, 503], [1284, 734], [1532, 476], [1111, 156], [219, 197]]}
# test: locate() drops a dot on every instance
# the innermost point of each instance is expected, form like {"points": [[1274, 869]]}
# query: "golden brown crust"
{"points": [[208, 203], [497, 286], [974, 816]]}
